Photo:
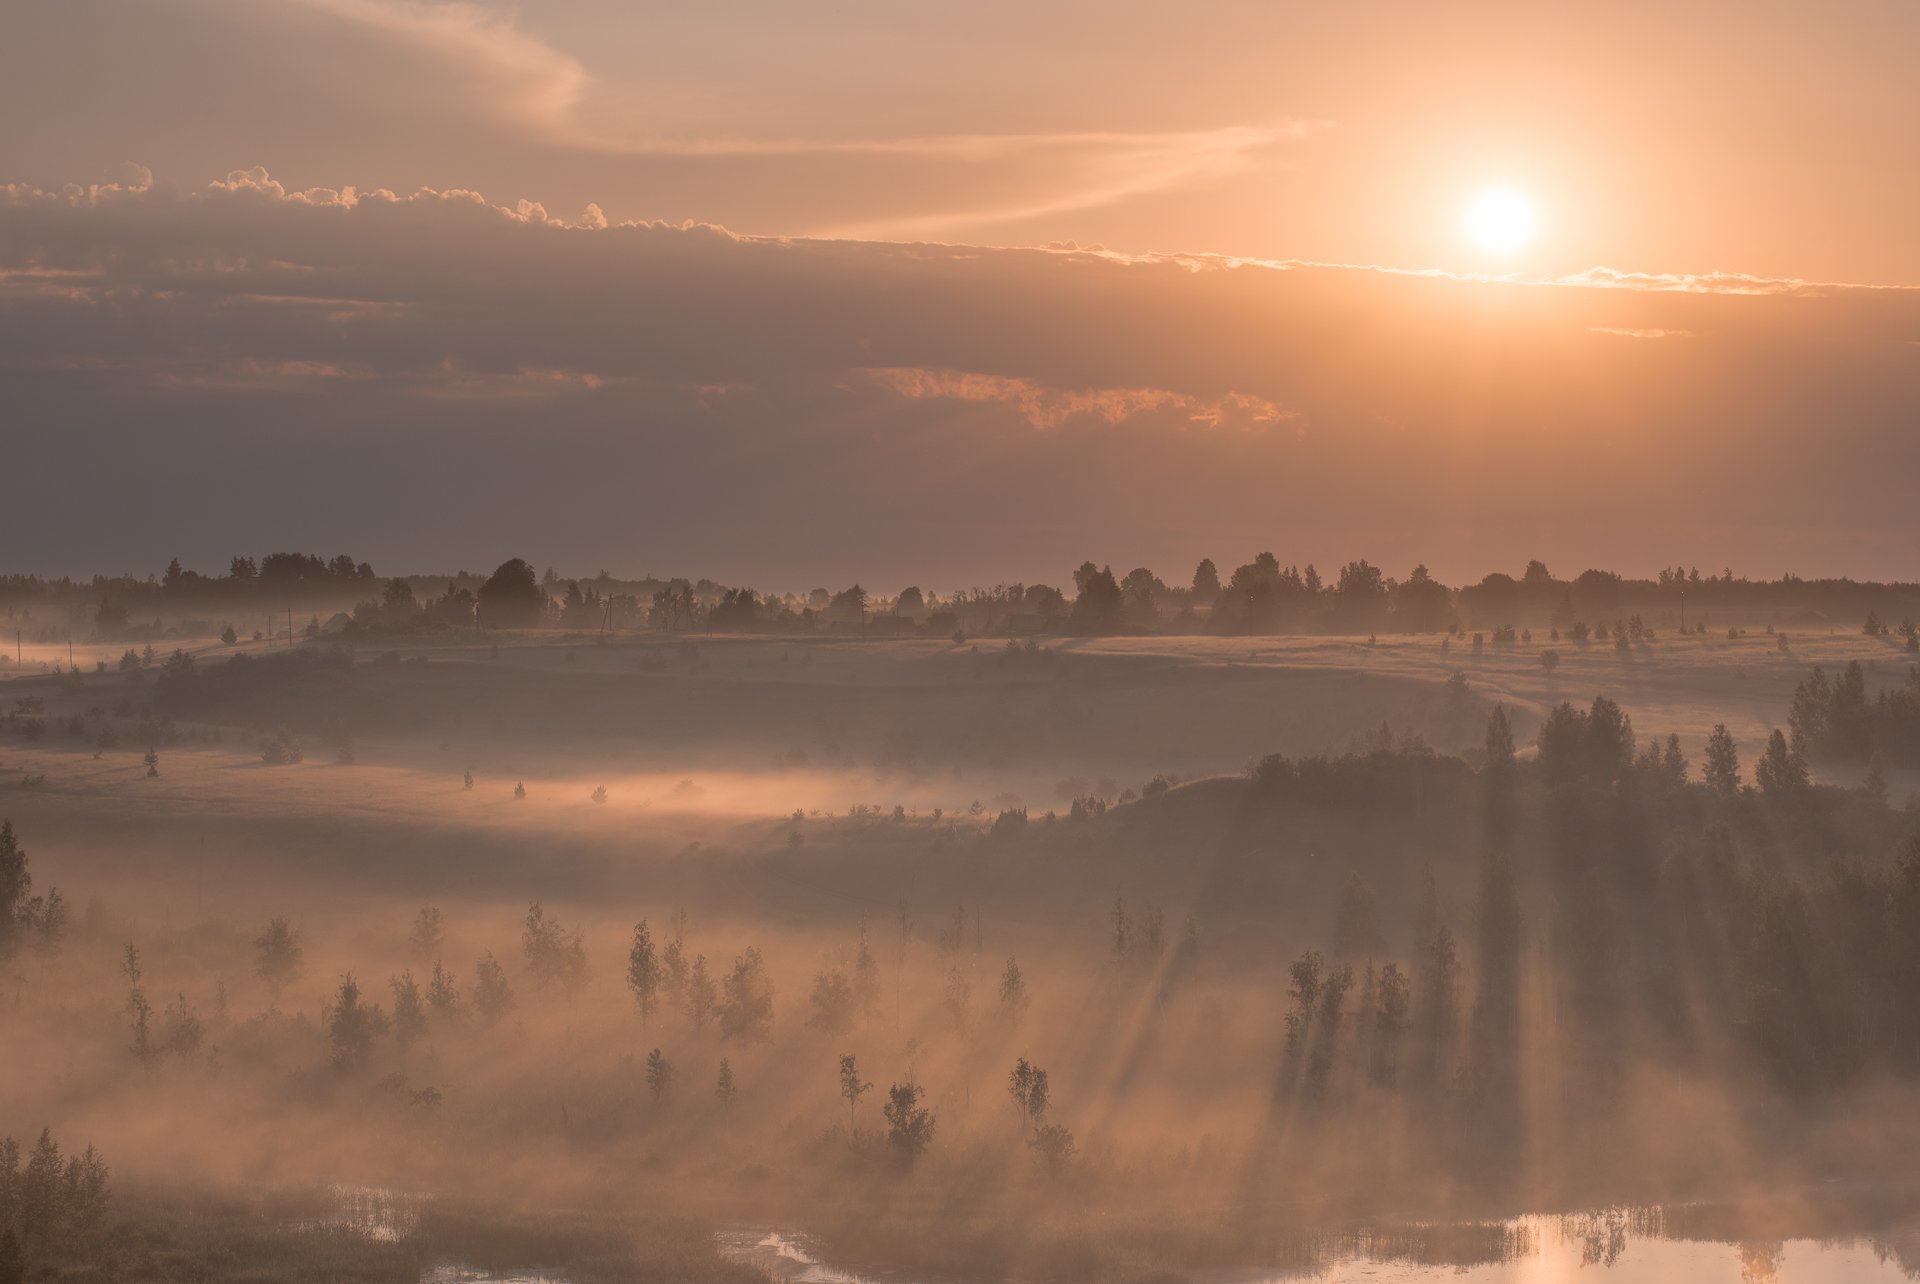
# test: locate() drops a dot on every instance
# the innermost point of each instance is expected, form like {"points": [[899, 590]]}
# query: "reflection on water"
{"points": [[1623, 1246], [1603, 1246], [1436, 1243], [782, 1257], [371, 1212], [459, 1273], [386, 1216]]}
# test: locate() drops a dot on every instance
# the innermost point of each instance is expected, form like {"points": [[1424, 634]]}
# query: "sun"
{"points": [[1500, 221]]}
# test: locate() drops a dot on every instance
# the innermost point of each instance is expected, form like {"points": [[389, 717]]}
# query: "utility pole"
{"points": [[289, 626]]}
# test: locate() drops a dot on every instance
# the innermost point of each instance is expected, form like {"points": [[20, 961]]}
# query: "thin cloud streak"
{"points": [[1116, 167], [1594, 278], [983, 147], [1629, 333], [1604, 278], [527, 83], [1044, 407], [541, 91]]}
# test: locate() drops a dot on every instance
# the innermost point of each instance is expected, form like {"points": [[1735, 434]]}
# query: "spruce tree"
{"points": [[643, 972]]}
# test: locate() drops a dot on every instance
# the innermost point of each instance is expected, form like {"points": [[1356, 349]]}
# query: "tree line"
{"points": [[1261, 596]]}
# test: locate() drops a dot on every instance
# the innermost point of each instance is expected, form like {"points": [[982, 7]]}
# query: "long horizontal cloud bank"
{"points": [[705, 113], [433, 380]]}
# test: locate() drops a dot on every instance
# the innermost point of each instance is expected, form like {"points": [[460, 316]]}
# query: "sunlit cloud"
{"points": [[1046, 407], [1710, 283], [527, 85], [520, 80], [1089, 170], [252, 374]]}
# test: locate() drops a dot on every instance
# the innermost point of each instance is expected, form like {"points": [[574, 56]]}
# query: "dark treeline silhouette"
{"points": [[1259, 597], [121, 602]]}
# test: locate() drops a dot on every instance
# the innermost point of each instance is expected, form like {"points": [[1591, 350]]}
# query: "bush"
{"points": [[280, 749], [909, 1124], [1054, 1144]]}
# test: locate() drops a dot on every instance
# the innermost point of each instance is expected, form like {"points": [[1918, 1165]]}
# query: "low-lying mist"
{"points": [[945, 975]]}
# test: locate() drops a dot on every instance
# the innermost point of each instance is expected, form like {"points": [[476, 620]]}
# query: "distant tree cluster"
{"points": [[1264, 597], [1399, 779], [1658, 938], [26, 920], [555, 957], [400, 607], [910, 1125], [1595, 744], [511, 598], [50, 1204], [1837, 721], [124, 607], [1261, 596]]}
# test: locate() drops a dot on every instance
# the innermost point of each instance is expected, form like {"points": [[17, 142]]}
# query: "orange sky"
{"points": [[1775, 138], [1691, 168]]}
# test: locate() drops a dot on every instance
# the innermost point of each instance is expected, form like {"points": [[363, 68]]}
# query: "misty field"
{"points": [[1065, 959], [613, 668]]}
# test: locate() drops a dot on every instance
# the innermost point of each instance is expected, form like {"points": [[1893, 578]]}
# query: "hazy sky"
{"points": [[878, 351]]}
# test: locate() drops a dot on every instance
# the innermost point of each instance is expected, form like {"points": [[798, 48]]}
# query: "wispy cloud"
{"points": [[546, 95], [1605, 278], [1628, 332], [1046, 407], [1595, 278], [1091, 169], [521, 80]]}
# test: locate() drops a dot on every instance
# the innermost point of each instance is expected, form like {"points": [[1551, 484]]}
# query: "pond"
{"points": [[459, 1273], [1604, 1248], [1608, 1246], [382, 1215]]}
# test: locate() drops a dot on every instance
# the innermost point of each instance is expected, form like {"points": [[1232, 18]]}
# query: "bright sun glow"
{"points": [[1500, 222]]}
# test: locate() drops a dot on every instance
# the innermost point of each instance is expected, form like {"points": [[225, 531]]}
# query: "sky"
{"points": [[949, 295]]}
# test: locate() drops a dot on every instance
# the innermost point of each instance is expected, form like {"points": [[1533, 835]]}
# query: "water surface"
{"points": [[1603, 1247]]}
